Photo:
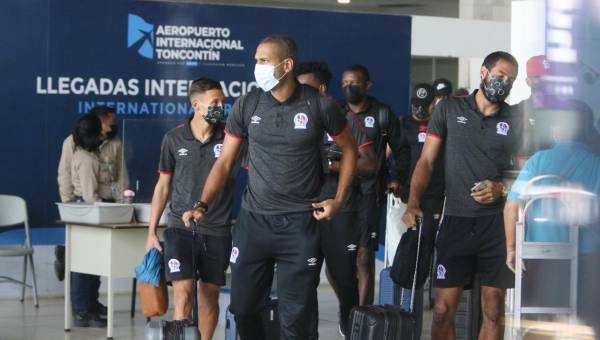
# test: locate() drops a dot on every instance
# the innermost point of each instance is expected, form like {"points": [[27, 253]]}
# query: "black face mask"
{"points": [[353, 94], [114, 130], [495, 89], [215, 115], [419, 111]]}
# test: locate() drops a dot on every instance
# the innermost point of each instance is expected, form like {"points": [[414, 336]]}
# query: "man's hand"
{"points": [[153, 242], [510, 261], [195, 215], [326, 209], [492, 192], [395, 188], [410, 216]]}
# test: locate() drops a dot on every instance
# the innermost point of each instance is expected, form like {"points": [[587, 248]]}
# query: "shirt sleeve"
{"points": [[167, 161], [332, 117], [235, 121], [527, 173], [437, 127], [65, 185]]}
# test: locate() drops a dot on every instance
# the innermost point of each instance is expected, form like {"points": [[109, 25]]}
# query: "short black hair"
{"points": [[286, 45], [442, 87], [461, 92], [102, 111], [87, 133], [358, 68], [318, 69], [203, 84], [490, 61]]}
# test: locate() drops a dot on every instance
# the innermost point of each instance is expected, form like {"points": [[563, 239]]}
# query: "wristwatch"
{"points": [[200, 205]]}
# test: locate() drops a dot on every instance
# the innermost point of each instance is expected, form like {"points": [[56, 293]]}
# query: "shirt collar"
{"points": [[502, 111], [367, 108], [291, 99], [187, 132]]}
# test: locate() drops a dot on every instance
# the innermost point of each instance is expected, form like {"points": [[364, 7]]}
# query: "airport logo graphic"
{"points": [[173, 43], [140, 36]]}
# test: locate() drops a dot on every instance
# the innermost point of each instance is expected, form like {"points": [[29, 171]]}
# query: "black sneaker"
{"points": [[84, 319], [59, 262], [99, 309], [342, 333]]}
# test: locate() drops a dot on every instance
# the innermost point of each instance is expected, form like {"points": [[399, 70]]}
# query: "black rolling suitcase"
{"points": [[387, 322], [269, 317], [468, 317], [181, 329]]}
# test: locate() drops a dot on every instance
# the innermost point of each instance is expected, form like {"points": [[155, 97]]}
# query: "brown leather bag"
{"points": [[154, 300]]}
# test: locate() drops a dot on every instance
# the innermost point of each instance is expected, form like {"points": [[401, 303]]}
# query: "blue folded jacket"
{"points": [[149, 270]]}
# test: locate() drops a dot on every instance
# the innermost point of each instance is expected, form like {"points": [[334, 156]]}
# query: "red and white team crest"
{"points": [[502, 128], [174, 265], [300, 121]]}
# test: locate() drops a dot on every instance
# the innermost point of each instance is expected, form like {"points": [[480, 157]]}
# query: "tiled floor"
{"points": [[23, 321]]}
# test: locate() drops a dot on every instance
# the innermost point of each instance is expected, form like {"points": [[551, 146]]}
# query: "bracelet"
{"points": [[200, 205]]}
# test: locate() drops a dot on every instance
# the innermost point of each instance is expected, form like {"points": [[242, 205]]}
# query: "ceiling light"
{"points": [[343, 1]]}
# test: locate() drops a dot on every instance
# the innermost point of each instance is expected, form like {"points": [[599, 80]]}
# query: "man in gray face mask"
{"points": [[479, 134]]}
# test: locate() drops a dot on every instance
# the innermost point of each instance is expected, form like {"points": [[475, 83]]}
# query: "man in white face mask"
{"points": [[283, 123]]}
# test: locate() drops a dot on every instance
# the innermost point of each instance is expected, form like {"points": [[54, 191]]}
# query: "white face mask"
{"points": [[265, 76]]}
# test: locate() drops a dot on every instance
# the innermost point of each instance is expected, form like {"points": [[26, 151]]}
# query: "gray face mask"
{"points": [[419, 111], [495, 89]]}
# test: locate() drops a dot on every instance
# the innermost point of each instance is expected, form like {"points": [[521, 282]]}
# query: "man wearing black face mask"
{"points": [[381, 125], [478, 134], [187, 155], [414, 133]]}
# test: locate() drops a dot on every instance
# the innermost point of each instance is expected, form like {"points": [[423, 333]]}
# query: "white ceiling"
{"points": [[443, 8]]}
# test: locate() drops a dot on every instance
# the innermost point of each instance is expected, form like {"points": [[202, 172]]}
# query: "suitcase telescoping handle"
{"points": [[194, 282], [418, 225]]}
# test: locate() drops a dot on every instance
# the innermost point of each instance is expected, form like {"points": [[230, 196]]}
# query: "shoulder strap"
{"points": [[250, 102], [313, 102], [383, 118]]}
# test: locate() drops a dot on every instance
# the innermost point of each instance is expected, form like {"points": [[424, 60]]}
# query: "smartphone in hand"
{"points": [[478, 186]]}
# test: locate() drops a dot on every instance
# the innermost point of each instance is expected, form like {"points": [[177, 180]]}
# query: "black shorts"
{"points": [[211, 255], [472, 245], [368, 220]]}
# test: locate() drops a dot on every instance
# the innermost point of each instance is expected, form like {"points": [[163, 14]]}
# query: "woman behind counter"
{"points": [[85, 166], [85, 172]]}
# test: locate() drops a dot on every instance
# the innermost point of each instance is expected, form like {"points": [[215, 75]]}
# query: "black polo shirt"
{"points": [[189, 161], [414, 133], [330, 184], [370, 119], [476, 148], [284, 140]]}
